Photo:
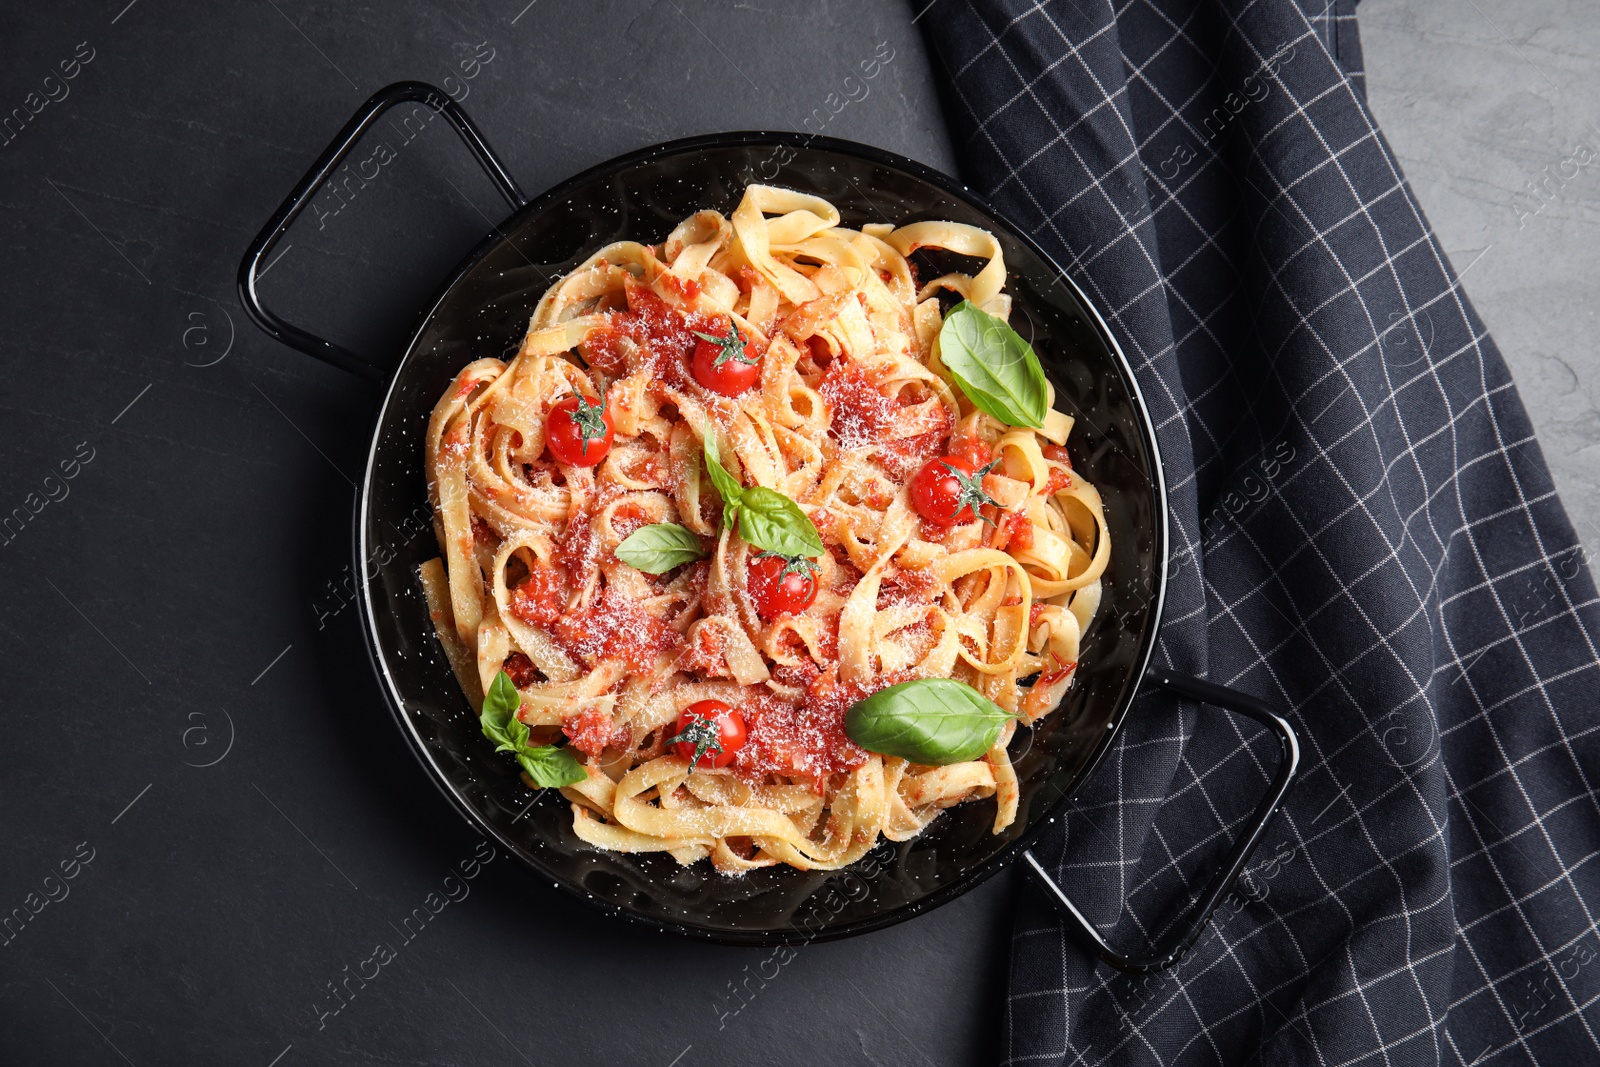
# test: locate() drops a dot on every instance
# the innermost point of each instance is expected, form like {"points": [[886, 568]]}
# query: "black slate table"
{"points": [[208, 821]]}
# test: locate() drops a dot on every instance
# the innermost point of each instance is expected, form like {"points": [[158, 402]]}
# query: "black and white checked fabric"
{"points": [[1366, 534]]}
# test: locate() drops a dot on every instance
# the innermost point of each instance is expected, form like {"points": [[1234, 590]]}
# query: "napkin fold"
{"points": [[1365, 532]]}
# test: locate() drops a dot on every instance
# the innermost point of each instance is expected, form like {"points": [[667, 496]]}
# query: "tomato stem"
{"points": [[972, 492], [801, 565], [589, 418], [702, 734], [731, 345]]}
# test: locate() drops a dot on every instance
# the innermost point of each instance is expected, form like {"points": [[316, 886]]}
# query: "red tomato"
{"points": [[579, 431], [1059, 454], [713, 728], [949, 490], [782, 586], [728, 365]]}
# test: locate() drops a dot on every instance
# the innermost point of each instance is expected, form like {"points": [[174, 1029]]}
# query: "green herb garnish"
{"points": [[931, 721], [658, 548], [764, 517], [547, 765], [994, 366]]}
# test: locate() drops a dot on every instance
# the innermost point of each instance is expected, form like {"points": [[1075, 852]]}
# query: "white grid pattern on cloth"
{"points": [[1440, 841]]}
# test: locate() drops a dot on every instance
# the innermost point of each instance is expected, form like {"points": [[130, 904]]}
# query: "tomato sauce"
{"points": [[663, 338], [627, 519], [805, 738], [519, 668], [707, 656], [828, 641], [903, 457], [798, 676], [821, 354], [908, 586], [591, 732], [1015, 532], [541, 598], [615, 627], [1021, 533], [687, 289], [858, 411], [974, 450], [1049, 678], [578, 549]]}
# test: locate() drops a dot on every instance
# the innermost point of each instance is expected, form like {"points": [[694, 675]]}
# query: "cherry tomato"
{"points": [[949, 490], [579, 431], [729, 364], [714, 728], [781, 585]]}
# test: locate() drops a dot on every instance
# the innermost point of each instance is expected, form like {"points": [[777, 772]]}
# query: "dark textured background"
{"points": [[199, 542], [194, 548]]}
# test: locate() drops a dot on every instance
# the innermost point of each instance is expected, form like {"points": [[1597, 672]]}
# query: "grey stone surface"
{"points": [[1490, 106]]}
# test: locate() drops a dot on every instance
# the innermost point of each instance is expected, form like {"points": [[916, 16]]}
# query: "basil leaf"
{"points": [[658, 548], [994, 366], [931, 721], [500, 706], [547, 765], [772, 521], [550, 767], [764, 517], [516, 736], [731, 491]]}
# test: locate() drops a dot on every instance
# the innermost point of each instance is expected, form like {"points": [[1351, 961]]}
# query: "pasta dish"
{"points": [[761, 547]]}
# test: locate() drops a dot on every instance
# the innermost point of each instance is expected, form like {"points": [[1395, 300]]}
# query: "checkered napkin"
{"points": [[1365, 533]]}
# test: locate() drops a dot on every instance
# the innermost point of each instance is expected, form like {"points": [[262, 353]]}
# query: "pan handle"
{"points": [[438, 101], [1199, 916]]}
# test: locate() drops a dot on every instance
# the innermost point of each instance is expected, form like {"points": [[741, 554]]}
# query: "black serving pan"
{"points": [[483, 308]]}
